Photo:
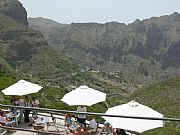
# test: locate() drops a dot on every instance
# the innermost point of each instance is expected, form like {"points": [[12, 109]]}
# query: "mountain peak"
{"points": [[175, 16], [14, 9]]}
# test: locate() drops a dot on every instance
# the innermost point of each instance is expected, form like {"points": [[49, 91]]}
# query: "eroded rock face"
{"points": [[14, 9], [157, 38]]}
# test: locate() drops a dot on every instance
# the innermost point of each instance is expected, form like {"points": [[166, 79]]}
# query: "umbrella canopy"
{"points": [[84, 95], [21, 88], [133, 108]]}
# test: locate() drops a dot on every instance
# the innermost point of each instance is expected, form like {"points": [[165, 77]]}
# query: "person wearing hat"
{"points": [[106, 129]]}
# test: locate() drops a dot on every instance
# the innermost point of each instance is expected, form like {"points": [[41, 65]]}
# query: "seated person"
{"points": [[68, 123], [92, 128], [5, 121], [68, 119], [106, 129]]}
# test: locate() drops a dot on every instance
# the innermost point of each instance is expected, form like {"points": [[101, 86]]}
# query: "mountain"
{"points": [[44, 23], [46, 26], [156, 38], [142, 52]]}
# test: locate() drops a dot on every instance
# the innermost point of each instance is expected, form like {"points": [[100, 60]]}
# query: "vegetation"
{"points": [[163, 97], [49, 97]]}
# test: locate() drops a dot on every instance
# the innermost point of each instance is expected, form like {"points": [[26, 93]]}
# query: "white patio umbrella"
{"points": [[84, 95], [133, 108], [21, 88]]}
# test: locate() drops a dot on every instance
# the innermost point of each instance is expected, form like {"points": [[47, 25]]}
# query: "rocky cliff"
{"points": [[25, 49], [156, 39], [18, 43], [14, 9]]}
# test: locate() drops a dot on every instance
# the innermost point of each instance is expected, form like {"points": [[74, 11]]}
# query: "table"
{"points": [[41, 120]]}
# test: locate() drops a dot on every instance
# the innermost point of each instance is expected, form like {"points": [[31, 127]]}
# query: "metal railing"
{"points": [[61, 112], [90, 113]]}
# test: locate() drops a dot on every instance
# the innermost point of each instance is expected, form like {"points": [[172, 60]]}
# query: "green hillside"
{"points": [[163, 97], [49, 97]]}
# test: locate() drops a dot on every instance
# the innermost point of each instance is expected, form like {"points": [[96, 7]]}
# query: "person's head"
{"points": [[79, 129], [89, 117], [26, 98], [1, 113], [33, 98], [68, 114], [35, 117], [106, 124], [14, 97], [82, 106], [117, 131]]}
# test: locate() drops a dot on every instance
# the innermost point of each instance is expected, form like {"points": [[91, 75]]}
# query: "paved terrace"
{"points": [[51, 127]]}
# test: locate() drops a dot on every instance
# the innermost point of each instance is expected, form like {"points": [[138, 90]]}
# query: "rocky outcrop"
{"points": [[14, 9], [18, 41]]}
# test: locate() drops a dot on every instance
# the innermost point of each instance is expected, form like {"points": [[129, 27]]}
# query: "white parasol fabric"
{"points": [[21, 88], [84, 95], [133, 108]]}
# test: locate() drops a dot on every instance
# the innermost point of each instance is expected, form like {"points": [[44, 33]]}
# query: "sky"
{"points": [[101, 11]]}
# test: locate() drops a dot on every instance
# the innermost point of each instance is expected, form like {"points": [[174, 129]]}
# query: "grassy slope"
{"points": [[49, 97], [165, 98]]}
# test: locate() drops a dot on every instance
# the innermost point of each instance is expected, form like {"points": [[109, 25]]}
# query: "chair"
{"points": [[2, 131], [51, 126], [38, 128], [16, 119]]}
